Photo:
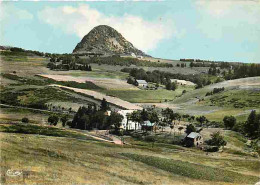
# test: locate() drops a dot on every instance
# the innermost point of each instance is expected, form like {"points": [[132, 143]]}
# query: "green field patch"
{"points": [[35, 97], [147, 96], [218, 115], [192, 170], [40, 130], [235, 98]]}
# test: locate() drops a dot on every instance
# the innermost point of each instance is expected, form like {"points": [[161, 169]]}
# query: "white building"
{"points": [[141, 83], [182, 82], [130, 125], [133, 55]]}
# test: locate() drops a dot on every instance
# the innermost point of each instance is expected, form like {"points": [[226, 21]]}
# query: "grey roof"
{"points": [[193, 135], [141, 81], [148, 123]]}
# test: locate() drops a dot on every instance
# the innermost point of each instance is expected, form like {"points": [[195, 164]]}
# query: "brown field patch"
{"points": [[106, 83], [100, 96]]}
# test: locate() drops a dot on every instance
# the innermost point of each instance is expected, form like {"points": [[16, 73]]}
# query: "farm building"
{"points": [[127, 124], [194, 138], [130, 125], [141, 83], [133, 55], [182, 82], [148, 126]]}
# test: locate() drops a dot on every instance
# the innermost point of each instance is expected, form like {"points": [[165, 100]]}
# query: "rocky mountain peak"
{"points": [[106, 40]]}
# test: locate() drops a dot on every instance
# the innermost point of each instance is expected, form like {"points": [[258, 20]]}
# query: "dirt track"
{"points": [[100, 96]]}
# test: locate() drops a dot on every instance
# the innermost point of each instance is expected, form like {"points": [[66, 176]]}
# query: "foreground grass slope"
{"points": [[68, 160]]}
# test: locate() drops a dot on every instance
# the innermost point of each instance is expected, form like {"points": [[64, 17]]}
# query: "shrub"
{"points": [[25, 120], [53, 120], [216, 140], [229, 121], [238, 127], [211, 149]]}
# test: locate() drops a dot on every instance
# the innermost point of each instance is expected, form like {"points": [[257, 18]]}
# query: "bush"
{"points": [[53, 120], [25, 120], [216, 140], [229, 121], [238, 127], [211, 149], [149, 138]]}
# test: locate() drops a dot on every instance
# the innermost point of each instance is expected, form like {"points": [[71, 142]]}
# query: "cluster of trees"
{"points": [[215, 90], [171, 86], [140, 116], [207, 63], [54, 119], [217, 141], [181, 65], [214, 71], [199, 64], [250, 128], [202, 63], [243, 71], [38, 53], [68, 62], [91, 117], [162, 77]]}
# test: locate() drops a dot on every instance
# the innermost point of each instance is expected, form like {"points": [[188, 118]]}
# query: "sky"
{"points": [[222, 30]]}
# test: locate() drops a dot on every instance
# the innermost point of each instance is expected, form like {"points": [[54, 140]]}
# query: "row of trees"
{"points": [[211, 64]]}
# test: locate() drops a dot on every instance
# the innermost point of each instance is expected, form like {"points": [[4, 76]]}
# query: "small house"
{"points": [[133, 55], [141, 83], [194, 139]]}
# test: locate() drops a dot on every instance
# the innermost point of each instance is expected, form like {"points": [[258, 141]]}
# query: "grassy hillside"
{"points": [[82, 161], [148, 96], [239, 98]]}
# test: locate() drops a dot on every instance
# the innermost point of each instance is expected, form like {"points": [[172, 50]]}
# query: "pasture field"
{"points": [[148, 96], [100, 96], [235, 98], [16, 114], [238, 99], [83, 162]]}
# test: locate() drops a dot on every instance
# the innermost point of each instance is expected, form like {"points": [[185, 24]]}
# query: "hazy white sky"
{"points": [[207, 29]]}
